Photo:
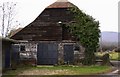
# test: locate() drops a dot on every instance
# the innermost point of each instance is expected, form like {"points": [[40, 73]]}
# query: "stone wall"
{"points": [[77, 54]]}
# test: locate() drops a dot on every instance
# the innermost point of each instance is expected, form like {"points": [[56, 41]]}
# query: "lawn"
{"points": [[59, 70]]}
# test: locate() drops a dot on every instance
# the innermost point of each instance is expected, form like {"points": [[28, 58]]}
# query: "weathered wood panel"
{"points": [[46, 27]]}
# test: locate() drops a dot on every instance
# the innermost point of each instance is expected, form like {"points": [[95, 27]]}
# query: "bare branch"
{"points": [[3, 19], [7, 17]]}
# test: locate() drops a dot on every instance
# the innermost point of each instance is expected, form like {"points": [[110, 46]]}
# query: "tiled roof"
{"points": [[60, 5], [13, 32]]}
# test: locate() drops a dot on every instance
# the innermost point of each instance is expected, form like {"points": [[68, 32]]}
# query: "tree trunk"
{"points": [[89, 57]]}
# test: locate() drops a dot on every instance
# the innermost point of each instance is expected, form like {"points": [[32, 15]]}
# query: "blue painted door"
{"points": [[47, 53], [7, 57], [68, 54]]}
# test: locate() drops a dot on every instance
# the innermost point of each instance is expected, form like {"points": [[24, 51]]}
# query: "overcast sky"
{"points": [[105, 11]]}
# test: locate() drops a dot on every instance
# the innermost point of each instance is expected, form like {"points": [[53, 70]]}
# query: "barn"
{"points": [[47, 38]]}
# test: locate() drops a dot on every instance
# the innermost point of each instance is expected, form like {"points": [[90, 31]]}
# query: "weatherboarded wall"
{"points": [[46, 26]]}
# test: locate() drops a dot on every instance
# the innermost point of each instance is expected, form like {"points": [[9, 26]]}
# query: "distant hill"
{"points": [[110, 38]]}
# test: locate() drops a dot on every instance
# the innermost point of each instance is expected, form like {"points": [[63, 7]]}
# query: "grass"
{"points": [[78, 70], [59, 70], [113, 55]]}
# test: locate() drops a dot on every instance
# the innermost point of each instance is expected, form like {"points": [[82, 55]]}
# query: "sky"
{"points": [[104, 11]]}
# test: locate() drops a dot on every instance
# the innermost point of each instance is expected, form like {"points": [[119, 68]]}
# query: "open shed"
{"points": [[6, 52]]}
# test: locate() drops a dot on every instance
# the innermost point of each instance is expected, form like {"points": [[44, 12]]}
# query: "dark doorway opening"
{"points": [[68, 54], [47, 54]]}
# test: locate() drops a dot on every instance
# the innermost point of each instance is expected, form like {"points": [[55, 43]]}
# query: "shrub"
{"points": [[105, 59]]}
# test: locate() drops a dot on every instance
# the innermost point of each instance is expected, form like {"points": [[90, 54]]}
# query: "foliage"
{"points": [[109, 47], [105, 59], [117, 49], [86, 30]]}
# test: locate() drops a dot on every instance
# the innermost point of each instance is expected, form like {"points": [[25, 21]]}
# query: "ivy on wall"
{"points": [[86, 30]]}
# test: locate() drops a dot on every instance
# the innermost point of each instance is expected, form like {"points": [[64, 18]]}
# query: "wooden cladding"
{"points": [[46, 26]]}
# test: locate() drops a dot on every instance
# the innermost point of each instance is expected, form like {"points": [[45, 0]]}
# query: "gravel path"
{"points": [[44, 72]]}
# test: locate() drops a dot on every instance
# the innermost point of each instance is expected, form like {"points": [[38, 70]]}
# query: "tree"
{"points": [[7, 15], [86, 30]]}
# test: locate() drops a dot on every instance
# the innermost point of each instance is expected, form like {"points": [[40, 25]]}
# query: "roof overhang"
{"points": [[8, 40]]}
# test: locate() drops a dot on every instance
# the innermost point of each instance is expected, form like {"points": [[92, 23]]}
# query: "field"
{"points": [[113, 55], [59, 70]]}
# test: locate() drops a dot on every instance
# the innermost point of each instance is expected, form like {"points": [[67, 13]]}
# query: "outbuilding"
{"points": [[6, 52]]}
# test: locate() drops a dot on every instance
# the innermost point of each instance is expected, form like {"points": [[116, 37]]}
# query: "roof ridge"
{"points": [[62, 1], [61, 4]]}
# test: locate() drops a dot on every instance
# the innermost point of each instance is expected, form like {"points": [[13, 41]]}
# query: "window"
{"points": [[22, 48], [76, 48]]}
